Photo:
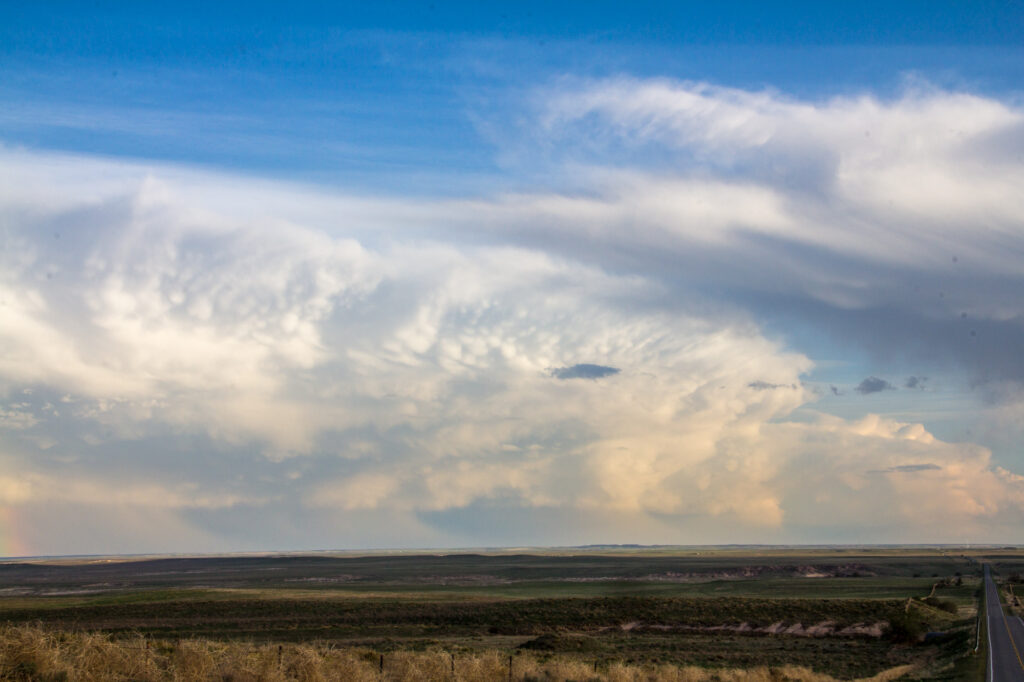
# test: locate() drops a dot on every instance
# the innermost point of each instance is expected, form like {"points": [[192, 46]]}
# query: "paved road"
{"points": [[1005, 639]]}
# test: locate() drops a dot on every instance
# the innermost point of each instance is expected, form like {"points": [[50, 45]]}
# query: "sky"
{"points": [[310, 276]]}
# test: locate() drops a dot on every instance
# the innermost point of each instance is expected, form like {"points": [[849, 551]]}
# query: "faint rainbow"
{"points": [[11, 543]]}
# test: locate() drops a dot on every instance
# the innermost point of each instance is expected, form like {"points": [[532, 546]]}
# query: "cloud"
{"points": [[860, 205], [94, 491], [767, 385], [15, 418], [388, 359], [835, 390], [417, 368], [907, 469], [834, 470], [873, 385], [584, 371], [915, 382]]}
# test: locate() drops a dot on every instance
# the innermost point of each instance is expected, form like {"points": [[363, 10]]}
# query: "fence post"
{"points": [[382, 664], [509, 669], [280, 650]]}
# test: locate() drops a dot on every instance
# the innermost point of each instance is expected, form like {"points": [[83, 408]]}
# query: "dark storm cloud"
{"points": [[767, 386], [873, 385], [763, 385], [907, 469], [584, 371]]}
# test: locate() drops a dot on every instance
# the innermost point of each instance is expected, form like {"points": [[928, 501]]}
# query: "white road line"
{"points": [[988, 628]]}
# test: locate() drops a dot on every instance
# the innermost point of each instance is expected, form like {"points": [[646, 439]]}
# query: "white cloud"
{"points": [[890, 476], [405, 347], [903, 182], [13, 417]]}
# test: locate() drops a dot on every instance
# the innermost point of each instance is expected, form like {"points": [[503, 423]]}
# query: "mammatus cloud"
{"points": [[584, 371], [205, 348], [409, 377], [873, 385]]}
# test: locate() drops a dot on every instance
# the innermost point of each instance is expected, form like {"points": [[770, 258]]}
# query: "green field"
{"points": [[846, 612]]}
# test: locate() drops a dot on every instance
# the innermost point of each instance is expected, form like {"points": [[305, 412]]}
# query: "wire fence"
{"points": [[163, 653]]}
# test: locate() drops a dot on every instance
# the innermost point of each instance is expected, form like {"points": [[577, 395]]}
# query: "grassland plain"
{"points": [[848, 612]]}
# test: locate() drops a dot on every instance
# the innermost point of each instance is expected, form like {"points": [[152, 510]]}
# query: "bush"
{"points": [[946, 605], [563, 643], [907, 628]]}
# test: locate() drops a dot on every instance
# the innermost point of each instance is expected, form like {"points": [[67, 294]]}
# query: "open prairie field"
{"points": [[844, 612]]}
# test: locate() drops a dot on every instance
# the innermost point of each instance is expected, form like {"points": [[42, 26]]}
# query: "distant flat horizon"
{"points": [[444, 551]]}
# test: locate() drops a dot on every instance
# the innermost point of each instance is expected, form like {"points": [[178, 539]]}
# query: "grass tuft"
{"points": [[31, 652]]}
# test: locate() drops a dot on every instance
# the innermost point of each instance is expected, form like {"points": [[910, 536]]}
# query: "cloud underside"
{"points": [[584, 371], [873, 385], [190, 345]]}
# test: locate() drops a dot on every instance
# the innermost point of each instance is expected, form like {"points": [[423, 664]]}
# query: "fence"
{"points": [[36, 653]]}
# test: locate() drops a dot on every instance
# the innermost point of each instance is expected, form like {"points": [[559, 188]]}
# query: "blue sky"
{"points": [[347, 270], [396, 93]]}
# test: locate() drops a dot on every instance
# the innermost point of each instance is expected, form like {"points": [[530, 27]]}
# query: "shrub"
{"points": [[907, 628], [946, 605]]}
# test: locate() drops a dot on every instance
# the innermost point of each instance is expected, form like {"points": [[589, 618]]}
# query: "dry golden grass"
{"points": [[35, 653]]}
